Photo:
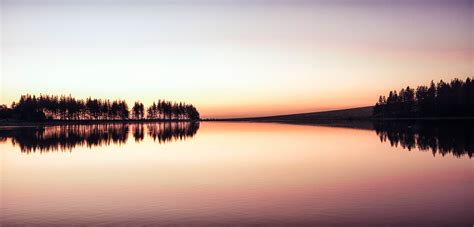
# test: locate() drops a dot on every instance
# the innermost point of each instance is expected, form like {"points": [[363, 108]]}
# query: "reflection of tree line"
{"points": [[66, 137], [168, 132], [439, 138]]}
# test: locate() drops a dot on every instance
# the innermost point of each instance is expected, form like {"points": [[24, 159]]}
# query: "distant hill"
{"points": [[360, 113]]}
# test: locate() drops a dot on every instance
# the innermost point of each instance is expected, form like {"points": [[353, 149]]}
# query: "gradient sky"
{"points": [[233, 58]]}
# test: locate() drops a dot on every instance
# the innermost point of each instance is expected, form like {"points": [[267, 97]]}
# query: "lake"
{"points": [[223, 173]]}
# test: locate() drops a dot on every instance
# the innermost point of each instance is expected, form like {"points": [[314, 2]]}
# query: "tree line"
{"points": [[444, 99], [48, 107]]}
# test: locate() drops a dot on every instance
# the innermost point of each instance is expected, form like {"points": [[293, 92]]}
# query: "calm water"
{"points": [[237, 174]]}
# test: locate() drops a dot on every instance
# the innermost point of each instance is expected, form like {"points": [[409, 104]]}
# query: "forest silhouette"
{"points": [[46, 107], [454, 99]]}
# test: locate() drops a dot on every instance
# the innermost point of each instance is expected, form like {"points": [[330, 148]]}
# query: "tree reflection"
{"points": [[67, 137], [440, 138], [138, 133], [172, 131]]}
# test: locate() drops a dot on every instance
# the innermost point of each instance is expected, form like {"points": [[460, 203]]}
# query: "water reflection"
{"points": [[439, 138], [67, 137], [168, 132]]}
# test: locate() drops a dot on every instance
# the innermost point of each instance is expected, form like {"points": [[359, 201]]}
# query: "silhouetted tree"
{"points": [[138, 110], [152, 111], [5, 112]]}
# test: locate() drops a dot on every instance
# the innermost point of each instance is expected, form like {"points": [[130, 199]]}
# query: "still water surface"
{"points": [[216, 173]]}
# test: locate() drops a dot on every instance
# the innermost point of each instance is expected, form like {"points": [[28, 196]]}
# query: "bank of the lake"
{"points": [[18, 123]]}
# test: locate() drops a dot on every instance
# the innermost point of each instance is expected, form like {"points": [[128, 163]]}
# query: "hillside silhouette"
{"points": [[360, 113]]}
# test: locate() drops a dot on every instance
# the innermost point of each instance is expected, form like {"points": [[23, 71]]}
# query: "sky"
{"points": [[233, 58]]}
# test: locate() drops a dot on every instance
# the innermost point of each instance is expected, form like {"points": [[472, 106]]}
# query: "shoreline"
{"points": [[16, 123], [274, 119], [320, 121], [361, 123]]}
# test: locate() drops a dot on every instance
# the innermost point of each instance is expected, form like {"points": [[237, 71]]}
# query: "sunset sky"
{"points": [[233, 58]]}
